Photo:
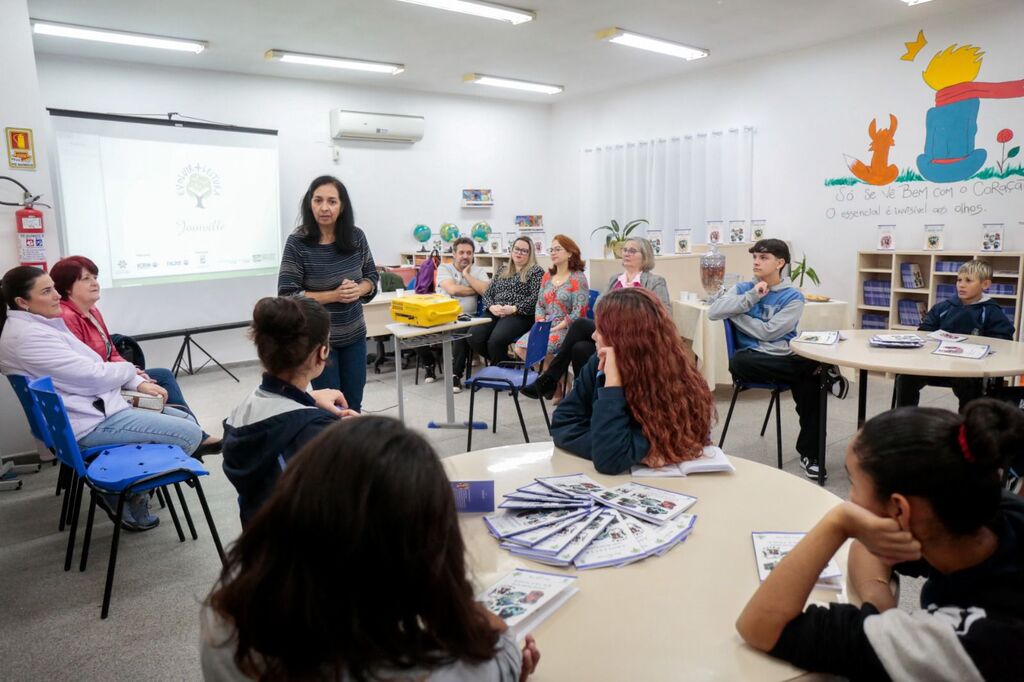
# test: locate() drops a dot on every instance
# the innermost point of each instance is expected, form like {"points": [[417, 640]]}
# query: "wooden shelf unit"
{"points": [[886, 265], [490, 262]]}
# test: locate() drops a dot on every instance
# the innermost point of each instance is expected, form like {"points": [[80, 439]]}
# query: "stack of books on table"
{"points": [[896, 341], [575, 521]]}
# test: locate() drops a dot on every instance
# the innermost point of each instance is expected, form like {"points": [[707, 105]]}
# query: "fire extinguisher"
{"points": [[31, 239]]}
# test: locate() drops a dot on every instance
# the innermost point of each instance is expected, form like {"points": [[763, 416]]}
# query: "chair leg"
{"points": [[519, 411], [186, 512], [76, 504], [416, 379], [160, 498], [174, 515], [728, 417], [112, 563], [494, 418], [768, 414], [69, 492], [895, 391], [544, 409], [209, 521], [778, 429], [64, 481], [88, 530], [61, 482], [469, 430]]}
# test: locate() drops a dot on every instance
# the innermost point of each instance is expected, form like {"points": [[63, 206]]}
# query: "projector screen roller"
{"points": [[170, 214]]}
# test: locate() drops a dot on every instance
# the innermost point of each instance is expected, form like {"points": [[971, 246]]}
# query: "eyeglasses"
{"points": [[521, 252], [556, 249], [630, 252]]}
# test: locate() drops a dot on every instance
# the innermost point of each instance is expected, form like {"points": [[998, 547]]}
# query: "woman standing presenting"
{"points": [[328, 260]]}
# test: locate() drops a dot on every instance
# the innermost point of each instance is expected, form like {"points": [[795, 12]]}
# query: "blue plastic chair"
{"points": [[592, 301], [739, 386], [121, 470], [512, 377]]}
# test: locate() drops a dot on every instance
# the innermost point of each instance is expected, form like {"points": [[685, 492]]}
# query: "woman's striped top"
{"points": [[322, 268]]}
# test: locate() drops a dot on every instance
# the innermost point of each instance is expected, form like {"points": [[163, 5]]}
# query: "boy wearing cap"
{"points": [[765, 313]]}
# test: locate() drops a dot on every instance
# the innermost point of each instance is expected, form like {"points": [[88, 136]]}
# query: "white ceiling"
{"points": [[437, 47]]}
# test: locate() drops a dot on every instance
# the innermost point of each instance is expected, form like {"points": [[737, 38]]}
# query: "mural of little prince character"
{"points": [[952, 124]]}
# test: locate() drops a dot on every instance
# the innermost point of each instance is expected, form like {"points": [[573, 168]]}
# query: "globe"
{"points": [[449, 232], [421, 233], [481, 232]]}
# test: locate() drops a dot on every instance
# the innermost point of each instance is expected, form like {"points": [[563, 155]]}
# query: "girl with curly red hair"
{"points": [[639, 400]]}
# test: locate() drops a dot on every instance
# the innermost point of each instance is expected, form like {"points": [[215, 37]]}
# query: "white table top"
{"points": [[382, 298], [664, 618], [855, 351], [408, 331]]}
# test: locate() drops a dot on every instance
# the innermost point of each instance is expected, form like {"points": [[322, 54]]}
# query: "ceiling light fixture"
{"points": [[512, 83], [487, 10], [617, 35], [47, 28], [334, 62], [911, 3]]}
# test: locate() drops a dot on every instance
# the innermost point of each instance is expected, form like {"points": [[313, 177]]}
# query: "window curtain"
{"points": [[674, 183]]}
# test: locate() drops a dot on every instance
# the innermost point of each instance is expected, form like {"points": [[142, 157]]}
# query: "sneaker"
{"points": [[136, 514], [810, 468], [428, 375], [456, 385]]}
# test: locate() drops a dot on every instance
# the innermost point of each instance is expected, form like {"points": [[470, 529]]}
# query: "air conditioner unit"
{"points": [[364, 125]]}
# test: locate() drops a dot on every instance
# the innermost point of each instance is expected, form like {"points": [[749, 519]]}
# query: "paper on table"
{"points": [[519, 521], [972, 351], [821, 338], [524, 598], [646, 502], [614, 546], [771, 547], [940, 335], [532, 537], [712, 460], [576, 485]]}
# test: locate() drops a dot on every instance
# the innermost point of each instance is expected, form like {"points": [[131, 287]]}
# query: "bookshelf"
{"points": [[938, 272], [489, 262]]}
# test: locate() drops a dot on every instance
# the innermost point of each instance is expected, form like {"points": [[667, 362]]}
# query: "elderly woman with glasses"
{"points": [[509, 300], [637, 263]]}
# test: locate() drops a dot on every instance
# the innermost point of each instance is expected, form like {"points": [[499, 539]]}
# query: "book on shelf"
{"points": [[911, 276], [646, 502], [956, 349], [525, 598], [771, 547], [911, 311], [820, 338], [711, 460]]}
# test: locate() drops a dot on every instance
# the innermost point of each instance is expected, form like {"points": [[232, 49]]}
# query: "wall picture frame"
{"points": [[683, 243]]}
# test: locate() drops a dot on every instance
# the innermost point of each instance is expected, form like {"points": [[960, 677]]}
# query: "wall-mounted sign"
{"points": [[21, 151]]}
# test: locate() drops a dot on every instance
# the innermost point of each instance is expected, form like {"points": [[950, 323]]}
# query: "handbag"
{"points": [[427, 272]]}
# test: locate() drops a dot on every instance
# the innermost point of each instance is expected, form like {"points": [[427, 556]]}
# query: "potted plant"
{"points": [[800, 270], [617, 236]]}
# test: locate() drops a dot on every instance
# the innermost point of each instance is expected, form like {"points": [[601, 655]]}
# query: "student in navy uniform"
{"points": [[925, 501], [971, 311], [639, 400], [765, 312], [279, 417]]}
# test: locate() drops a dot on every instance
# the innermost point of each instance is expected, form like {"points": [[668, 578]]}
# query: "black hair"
{"points": [[463, 240], [776, 247], [355, 564], [918, 451], [287, 329], [344, 230], [16, 283]]}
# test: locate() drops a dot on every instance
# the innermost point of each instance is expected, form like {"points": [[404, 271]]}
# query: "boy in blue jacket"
{"points": [[972, 312]]}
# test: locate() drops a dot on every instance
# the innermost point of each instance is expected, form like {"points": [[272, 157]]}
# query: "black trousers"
{"points": [[431, 356], [800, 373], [908, 388], [577, 348], [492, 340]]}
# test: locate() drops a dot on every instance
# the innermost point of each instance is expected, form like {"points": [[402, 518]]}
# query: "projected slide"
{"points": [[153, 211]]}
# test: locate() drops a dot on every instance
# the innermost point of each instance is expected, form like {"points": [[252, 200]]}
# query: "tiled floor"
{"points": [[49, 619]]}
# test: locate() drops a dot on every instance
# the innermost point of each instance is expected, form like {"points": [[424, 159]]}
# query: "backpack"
{"points": [[427, 273], [129, 349]]}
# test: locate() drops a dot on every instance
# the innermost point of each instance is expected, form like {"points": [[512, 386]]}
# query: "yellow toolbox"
{"points": [[425, 310]]}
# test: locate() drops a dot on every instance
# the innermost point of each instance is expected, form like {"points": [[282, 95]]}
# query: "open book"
{"points": [[953, 349], [712, 460], [822, 338], [771, 547], [525, 598]]}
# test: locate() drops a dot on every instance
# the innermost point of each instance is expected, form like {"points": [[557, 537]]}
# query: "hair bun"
{"points": [[994, 432], [279, 317]]}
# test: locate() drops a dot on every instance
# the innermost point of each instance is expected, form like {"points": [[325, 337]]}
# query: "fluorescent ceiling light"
{"points": [[511, 83], [335, 62], [916, 2], [47, 28], [487, 10], [617, 35]]}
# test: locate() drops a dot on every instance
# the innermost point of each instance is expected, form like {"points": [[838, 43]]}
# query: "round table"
{"points": [[664, 618], [855, 351]]}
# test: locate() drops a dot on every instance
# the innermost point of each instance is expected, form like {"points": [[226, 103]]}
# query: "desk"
{"points": [[664, 618], [377, 313], [708, 337], [856, 352], [408, 336]]}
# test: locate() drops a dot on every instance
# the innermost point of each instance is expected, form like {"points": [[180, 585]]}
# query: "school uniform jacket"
{"points": [[982, 318]]}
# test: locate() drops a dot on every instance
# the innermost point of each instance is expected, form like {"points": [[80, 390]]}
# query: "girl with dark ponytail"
{"points": [[926, 500]]}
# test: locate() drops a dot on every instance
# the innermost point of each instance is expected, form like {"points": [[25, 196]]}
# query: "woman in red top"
{"points": [[75, 278]]}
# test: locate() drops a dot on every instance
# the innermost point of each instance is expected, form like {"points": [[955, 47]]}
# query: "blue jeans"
{"points": [[136, 425], [346, 372], [164, 378]]}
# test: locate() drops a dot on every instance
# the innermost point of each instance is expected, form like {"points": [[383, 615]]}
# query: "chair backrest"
{"points": [[594, 294], [480, 312], [730, 337], [537, 345], [31, 407], [57, 424], [390, 281]]}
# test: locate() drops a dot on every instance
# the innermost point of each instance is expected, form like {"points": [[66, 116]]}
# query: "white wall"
{"points": [[20, 107], [810, 107]]}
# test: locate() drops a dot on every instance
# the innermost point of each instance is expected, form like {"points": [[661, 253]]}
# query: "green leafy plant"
{"points": [[617, 234], [801, 270]]}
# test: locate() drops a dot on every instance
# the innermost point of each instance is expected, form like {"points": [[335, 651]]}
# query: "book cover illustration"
{"points": [[522, 594], [955, 349], [519, 521], [616, 545], [646, 502], [771, 547], [575, 485], [473, 496]]}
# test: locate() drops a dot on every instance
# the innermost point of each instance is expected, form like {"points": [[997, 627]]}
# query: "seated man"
{"points": [[451, 280], [765, 313], [971, 311]]}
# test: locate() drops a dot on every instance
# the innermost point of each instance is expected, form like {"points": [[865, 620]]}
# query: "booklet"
{"points": [[896, 341], [574, 485], [614, 546], [771, 547], [473, 496], [510, 503], [580, 542], [520, 495], [513, 521], [664, 538], [822, 338], [543, 490], [554, 544], [524, 598], [646, 502], [712, 460], [532, 537], [973, 351], [940, 335]]}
